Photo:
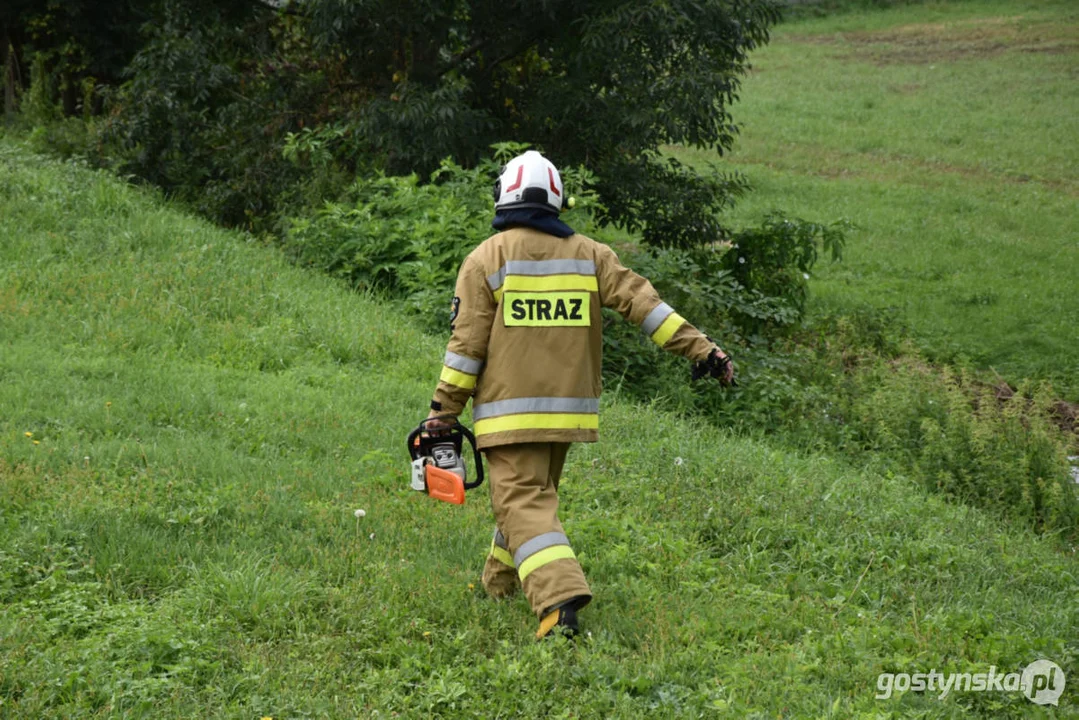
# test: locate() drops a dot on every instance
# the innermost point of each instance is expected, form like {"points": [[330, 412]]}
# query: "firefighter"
{"points": [[525, 346]]}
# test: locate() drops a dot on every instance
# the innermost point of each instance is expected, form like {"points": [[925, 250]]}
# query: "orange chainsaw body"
{"points": [[445, 485], [437, 466]]}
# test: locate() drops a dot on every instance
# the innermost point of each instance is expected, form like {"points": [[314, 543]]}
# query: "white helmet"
{"points": [[530, 181]]}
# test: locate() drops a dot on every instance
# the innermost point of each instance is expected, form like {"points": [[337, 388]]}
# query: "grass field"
{"points": [[187, 424], [946, 132]]}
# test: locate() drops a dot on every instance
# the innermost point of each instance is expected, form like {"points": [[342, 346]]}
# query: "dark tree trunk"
{"points": [[7, 66], [69, 94]]}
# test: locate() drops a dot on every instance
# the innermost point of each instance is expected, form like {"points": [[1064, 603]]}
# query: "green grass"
{"points": [[187, 423], [946, 133]]}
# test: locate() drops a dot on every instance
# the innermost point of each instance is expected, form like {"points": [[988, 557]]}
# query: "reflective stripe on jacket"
{"points": [[527, 335]]}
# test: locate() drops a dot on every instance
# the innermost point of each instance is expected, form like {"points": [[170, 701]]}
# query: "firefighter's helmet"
{"points": [[530, 181]]}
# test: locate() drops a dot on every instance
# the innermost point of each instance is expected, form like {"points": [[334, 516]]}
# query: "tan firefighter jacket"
{"points": [[527, 335]]}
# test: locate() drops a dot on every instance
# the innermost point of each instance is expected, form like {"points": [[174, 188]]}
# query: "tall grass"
{"points": [[187, 423]]}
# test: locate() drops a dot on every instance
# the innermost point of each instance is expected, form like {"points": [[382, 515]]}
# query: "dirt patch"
{"points": [[923, 43], [1067, 416], [837, 164]]}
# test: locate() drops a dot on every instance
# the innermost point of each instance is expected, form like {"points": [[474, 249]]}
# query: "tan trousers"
{"points": [[529, 548]]}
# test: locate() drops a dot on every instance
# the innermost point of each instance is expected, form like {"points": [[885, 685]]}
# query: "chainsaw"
{"points": [[438, 466]]}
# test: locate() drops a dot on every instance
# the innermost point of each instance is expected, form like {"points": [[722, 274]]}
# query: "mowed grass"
{"points": [[946, 132], [187, 424]]}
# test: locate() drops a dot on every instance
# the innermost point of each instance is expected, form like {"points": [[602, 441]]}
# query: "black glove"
{"points": [[718, 366]]}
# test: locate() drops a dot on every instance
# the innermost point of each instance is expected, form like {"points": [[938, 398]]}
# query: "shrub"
{"points": [[407, 239], [962, 439]]}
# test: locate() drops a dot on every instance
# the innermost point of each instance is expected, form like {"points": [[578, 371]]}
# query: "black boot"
{"points": [[562, 618]]}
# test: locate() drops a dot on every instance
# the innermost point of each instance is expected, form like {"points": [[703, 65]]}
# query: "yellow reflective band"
{"points": [[667, 330], [540, 283], [557, 552], [458, 378], [547, 309], [502, 556], [538, 421]]}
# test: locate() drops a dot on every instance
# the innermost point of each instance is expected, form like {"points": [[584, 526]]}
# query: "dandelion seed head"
{"points": [[360, 512], [678, 461]]}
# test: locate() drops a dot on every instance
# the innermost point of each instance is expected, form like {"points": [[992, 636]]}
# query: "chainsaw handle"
{"points": [[414, 447], [476, 454]]}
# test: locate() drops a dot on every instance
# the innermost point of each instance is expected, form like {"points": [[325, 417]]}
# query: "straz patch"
{"points": [[546, 309]]}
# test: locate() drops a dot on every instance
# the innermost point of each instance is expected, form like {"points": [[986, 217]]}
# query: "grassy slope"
{"points": [[181, 541], [946, 133]]}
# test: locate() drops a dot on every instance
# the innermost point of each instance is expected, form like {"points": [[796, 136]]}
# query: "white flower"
{"points": [[805, 275], [360, 513], [678, 461], [741, 261], [371, 536]]}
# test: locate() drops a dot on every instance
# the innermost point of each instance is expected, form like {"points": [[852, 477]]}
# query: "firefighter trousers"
{"points": [[529, 548]]}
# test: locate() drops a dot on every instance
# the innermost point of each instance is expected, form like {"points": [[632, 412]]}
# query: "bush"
{"points": [[64, 138], [407, 239], [970, 442], [394, 235]]}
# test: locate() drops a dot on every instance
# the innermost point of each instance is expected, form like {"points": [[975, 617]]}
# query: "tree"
{"points": [[217, 88], [601, 83]]}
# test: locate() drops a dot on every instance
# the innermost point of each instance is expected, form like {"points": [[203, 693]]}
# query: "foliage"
{"points": [[964, 440], [747, 294], [215, 91], [408, 239], [393, 235], [669, 204], [76, 43], [202, 119], [773, 261], [855, 385], [599, 84]]}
